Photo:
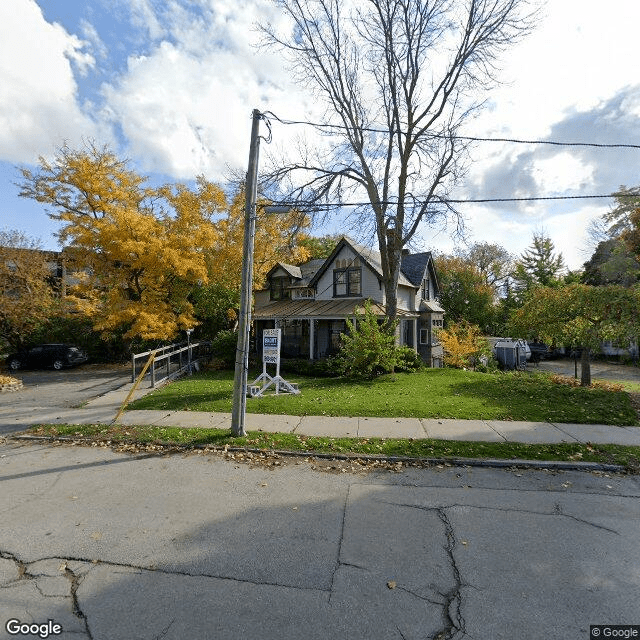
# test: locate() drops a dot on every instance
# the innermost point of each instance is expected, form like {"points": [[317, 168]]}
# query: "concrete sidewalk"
{"points": [[104, 409]]}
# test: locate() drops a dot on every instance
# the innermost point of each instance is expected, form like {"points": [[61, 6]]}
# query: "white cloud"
{"points": [[185, 106], [568, 231], [143, 16], [560, 173], [38, 100], [578, 56], [91, 35]]}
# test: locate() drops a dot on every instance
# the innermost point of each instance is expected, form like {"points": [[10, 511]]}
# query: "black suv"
{"points": [[47, 355], [539, 351]]}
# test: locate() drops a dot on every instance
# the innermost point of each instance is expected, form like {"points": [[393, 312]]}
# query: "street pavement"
{"points": [[113, 546]]}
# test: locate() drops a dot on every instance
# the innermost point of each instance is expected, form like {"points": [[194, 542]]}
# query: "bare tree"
{"points": [[492, 260], [398, 78]]}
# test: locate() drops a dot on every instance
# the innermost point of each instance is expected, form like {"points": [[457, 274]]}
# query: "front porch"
{"points": [[311, 329]]}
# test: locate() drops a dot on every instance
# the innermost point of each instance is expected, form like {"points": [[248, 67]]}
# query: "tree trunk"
{"points": [[391, 254], [585, 367]]}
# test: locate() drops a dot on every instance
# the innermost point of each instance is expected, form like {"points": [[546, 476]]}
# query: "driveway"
{"points": [[599, 369], [50, 390], [112, 546]]}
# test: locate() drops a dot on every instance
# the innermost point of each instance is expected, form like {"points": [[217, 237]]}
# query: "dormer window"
{"points": [[279, 288], [347, 283], [426, 289]]}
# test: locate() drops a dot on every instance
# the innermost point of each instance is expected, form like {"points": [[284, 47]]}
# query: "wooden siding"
{"points": [[369, 284], [406, 298]]}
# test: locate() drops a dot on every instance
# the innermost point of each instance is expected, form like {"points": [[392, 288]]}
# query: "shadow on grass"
{"points": [[537, 398]]}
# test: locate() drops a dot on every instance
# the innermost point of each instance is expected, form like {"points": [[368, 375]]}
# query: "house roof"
{"points": [[414, 265], [291, 269], [309, 270], [369, 255], [323, 309], [431, 305]]}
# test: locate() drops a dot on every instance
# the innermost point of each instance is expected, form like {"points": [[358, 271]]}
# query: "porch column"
{"points": [[312, 324], [415, 334]]}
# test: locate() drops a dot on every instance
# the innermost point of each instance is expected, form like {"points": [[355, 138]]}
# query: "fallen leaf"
{"points": [[391, 584]]}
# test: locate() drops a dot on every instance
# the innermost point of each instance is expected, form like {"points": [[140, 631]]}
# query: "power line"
{"points": [[556, 143], [330, 205]]}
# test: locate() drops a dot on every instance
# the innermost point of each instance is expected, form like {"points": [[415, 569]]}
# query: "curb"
{"points": [[556, 465]]}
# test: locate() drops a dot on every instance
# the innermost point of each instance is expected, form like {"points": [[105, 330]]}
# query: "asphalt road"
{"points": [[47, 390], [110, 546]]}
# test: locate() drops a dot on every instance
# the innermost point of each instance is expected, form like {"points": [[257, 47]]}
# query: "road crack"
{"points": [[22, 568], [557, 511], [339, 562], [75, 581], [452, 605]]}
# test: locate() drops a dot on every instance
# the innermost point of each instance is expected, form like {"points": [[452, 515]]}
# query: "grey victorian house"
{"points": [[310, 302]]}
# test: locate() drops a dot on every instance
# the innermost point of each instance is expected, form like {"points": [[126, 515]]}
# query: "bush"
{"points": [[368, 348], [78, 329], [408, 360], [463, 345], [325, 368], [223, 347]]}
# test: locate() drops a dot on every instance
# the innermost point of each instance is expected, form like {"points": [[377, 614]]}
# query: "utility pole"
{"points": [[244, 326]]}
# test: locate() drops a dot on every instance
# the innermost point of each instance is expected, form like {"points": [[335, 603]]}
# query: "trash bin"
{"points": [[512, 354]]}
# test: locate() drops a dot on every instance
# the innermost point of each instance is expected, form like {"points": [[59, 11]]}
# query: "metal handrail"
{"points": [[162, 360]]}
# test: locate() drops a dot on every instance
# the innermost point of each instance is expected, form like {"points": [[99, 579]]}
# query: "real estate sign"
{"points": [[271, 346]]}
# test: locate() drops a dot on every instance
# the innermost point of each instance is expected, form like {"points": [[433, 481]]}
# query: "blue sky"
{"points": [[170, 84]]}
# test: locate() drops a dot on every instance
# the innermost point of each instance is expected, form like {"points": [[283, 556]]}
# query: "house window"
{"points": [[336, 329], [347, 283], [426, 294], [425, 333], [279, 289]]}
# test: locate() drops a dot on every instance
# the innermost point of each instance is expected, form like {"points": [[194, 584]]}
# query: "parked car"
{"points": [[47, 355], [539, 351]]}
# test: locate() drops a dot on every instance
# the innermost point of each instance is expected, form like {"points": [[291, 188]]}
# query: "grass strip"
{"points": [[625, 456]]}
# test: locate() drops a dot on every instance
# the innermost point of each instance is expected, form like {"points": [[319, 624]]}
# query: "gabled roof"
{"points": [[414, 266], [309, 270], [369, 256], [291, 269]]}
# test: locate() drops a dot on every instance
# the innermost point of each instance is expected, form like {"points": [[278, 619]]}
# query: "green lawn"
{"points": [[433, 393]]}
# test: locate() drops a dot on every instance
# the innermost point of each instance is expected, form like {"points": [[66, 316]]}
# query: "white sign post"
{"points": [[271, 339]]}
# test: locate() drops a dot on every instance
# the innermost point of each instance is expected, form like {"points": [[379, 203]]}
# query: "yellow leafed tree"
{"points": [[463, 344], [277, 240], [142, 253], [26, 286], [139, 250]]}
